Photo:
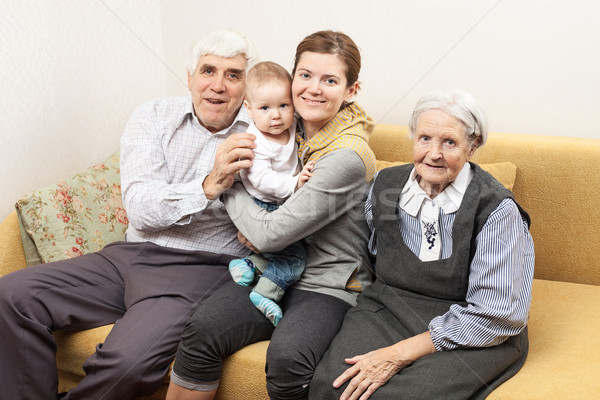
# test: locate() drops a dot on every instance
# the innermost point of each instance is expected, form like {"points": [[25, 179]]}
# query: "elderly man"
{"points": [[177, 156]]}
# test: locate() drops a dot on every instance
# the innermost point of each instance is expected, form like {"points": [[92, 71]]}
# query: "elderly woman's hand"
{"points": [[372, 370]]}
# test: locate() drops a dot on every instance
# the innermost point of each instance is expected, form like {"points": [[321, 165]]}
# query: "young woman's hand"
{"points": [[242, 239]]}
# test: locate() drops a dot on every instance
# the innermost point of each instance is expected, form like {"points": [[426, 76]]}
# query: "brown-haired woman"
{"points": [[326, 211]]}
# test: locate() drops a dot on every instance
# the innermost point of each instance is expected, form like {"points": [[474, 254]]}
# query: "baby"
{"points": [[272, 178]]}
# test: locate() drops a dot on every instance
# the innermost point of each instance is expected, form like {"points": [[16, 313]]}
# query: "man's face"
{"points": [[217, 88]]}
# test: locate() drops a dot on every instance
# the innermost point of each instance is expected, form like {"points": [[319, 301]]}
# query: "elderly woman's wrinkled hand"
{"points": [[369, 372]]}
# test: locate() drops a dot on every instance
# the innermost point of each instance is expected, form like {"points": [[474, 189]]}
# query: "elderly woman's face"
{"points": [[440, 150]]}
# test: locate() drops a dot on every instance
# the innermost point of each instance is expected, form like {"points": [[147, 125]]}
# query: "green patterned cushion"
{"points": [[74, 217]]}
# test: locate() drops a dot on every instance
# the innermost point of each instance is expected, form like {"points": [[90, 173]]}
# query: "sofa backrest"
{"points": [[557, 183]]}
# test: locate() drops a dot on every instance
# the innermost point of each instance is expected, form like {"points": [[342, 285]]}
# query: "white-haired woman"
{"points": [[446, 316]]}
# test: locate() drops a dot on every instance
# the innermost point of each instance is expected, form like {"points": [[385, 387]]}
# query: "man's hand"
{"points": [[233, 155]]}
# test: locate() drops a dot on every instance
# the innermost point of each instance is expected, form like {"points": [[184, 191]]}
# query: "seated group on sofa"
{"points": [[417, 281]]}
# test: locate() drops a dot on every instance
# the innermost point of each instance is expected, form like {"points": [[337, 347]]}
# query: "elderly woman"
{"points": [[446, 315]]}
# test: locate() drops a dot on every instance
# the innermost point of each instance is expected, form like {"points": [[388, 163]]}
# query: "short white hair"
{"points": [[458, 104], [223, 43]]}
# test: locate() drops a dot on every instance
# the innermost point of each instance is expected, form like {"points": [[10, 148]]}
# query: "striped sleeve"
{"points": [[499, 292]]}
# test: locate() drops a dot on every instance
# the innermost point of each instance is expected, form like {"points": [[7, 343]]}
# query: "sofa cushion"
{"points": [[381, 164], [74, 347], [11, 253], [504, 172], [74, 217], [563, 340]]}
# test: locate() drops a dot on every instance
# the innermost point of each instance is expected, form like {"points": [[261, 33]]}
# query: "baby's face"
{"points": [[270, 107]]}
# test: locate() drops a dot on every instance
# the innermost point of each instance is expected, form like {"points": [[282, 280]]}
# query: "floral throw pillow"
{"points": [[77, 216]]}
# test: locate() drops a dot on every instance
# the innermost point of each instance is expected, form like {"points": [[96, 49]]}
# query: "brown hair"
{"points": [[332, 42], [264, 71]]}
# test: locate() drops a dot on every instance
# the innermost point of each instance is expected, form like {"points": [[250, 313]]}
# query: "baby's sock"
{"points": [[267, 306], [242, 271]]}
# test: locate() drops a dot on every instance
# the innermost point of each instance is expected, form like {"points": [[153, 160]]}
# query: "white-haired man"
{"points": [[177, 156]]}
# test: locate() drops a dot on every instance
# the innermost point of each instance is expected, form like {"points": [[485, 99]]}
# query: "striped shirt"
{"points": [[165, 156], [501, 273]]}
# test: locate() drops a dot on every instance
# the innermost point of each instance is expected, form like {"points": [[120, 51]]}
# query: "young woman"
{"points": [[326, 211]]}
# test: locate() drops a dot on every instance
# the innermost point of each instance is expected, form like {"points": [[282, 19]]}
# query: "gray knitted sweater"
{"points": [[327, 212]]}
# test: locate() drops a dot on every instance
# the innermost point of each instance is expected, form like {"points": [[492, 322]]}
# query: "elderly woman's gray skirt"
{"points": [[456, 374]]}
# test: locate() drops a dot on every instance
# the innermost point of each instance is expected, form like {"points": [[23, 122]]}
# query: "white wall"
{"points": [[71, 72], [533, 65]]}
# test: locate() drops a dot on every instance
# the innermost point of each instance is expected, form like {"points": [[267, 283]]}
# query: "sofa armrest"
{"points": [[12, 255]]}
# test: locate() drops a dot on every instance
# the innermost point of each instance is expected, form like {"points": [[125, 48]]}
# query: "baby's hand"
{"points": [[305, 174]]}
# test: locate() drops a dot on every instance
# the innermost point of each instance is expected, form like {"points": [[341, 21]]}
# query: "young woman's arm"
{"points": [[337, 186]]}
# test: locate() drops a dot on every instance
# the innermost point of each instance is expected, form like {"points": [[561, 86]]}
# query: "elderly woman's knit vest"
{"points": [[413, 290]]}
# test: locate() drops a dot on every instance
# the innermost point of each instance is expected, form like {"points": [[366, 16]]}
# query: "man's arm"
{"points": [[151, 201]]}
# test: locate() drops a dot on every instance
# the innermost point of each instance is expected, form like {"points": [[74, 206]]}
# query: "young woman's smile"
{"points": [[319, 89]]}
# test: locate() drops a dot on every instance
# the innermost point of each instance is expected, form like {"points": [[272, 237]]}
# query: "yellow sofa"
{"points": [[557, 182]]}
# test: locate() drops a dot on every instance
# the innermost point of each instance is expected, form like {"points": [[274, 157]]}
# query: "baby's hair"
{"points": [[266, 71]]}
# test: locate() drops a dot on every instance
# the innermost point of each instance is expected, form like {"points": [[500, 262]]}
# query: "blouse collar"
{"points": [[449, 199]]}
